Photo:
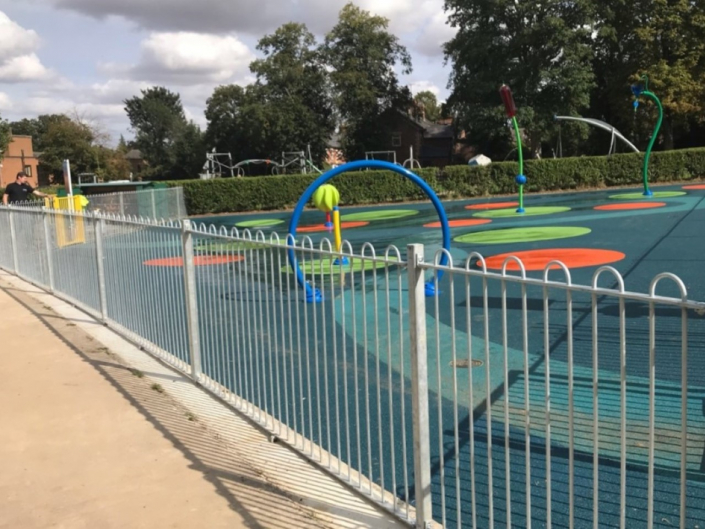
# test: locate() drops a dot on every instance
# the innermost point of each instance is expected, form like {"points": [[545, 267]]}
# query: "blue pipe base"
{"points": [[313, 295], [430, 290]]}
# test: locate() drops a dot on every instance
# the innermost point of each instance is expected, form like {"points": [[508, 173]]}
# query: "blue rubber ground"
{"points": [[654, 241]]}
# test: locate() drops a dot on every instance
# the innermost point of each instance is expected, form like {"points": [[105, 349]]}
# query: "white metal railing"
{"points": [[161, 203], [507, 400]]}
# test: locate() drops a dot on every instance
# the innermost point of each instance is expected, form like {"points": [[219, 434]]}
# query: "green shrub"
{"points": [[374, 187], [224, 195]]}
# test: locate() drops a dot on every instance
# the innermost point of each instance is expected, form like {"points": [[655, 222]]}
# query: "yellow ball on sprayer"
{"points": [[326, 198]]}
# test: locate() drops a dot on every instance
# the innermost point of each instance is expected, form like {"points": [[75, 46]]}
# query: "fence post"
{"points": [[191, 299], [154, 204], [419, 387], [99, 227], [48, 248], [13, 239], [121, 200]]}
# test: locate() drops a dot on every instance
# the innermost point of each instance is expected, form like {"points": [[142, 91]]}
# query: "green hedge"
{"points": [[225, 195]]}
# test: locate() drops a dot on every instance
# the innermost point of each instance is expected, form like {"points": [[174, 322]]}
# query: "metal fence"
{"points": [[162, 203], [509, 400]]}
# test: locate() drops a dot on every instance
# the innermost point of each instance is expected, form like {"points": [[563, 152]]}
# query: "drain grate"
{"points": [[458, 364]]}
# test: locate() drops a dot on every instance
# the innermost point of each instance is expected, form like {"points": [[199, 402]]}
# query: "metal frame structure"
{"points": [[213, 167], [370, 155], [363, 387], [600, 125]]}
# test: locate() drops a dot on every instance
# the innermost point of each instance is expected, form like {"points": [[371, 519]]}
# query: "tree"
{"points": [[541, 49], [235, 122], [293, 82], [67, 139], [427, 105], [5, 136], [362, 55], [663, 39], [158, 120], [37, 128], [189, 149], [111, 164]]}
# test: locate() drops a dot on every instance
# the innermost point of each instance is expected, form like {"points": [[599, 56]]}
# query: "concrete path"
{"points": [[94, 433]]}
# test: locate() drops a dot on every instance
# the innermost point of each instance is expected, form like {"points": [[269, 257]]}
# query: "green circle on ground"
{"points": [[326, 266], [383, 214], [510, 235], [258, 223], [512, 212], [641, 196]]}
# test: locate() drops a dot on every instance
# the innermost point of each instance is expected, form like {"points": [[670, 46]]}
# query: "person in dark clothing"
{"points": [[20, 190]]}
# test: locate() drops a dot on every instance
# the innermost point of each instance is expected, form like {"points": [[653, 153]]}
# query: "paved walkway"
{"points": [[88, 441]]}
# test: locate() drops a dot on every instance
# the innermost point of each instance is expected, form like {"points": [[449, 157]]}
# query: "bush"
{"points": [[224, 195], [374, 187]]}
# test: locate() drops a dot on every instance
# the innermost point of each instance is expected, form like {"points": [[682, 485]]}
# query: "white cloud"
{"points": [[23, 69], [5, 101], [186, 58], [258, 17], [421, 86], [435, 33], [18, 60], [15, 41]]}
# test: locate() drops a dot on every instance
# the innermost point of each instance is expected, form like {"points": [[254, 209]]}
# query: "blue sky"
{"points": [[84, 57]]}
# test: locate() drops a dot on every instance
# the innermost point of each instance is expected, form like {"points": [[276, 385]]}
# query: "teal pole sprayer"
{"points": [[639, 90], [508, 99]]}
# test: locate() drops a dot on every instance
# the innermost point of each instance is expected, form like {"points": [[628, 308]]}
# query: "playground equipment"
{"points": [[639, 90], [506, 94], [313, 295], [411, 163], [326, 198], [599, 124], [217, 163], [386, 156]]}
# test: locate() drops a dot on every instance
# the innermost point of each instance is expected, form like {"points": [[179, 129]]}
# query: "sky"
{"points": [[85, 57]]}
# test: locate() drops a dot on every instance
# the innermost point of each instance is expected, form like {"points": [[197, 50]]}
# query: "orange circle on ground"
{"points": [[695, 186], [199, 260], [630, 205], [322, 227], [571, 257], [457, 223], [493, 205]]}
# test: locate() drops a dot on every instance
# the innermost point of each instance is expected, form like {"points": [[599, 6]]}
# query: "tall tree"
{"points": [[236, 122], [5, 136], [171, 144], [660, 38], [157, 117], [37, 128], [540, 48], [363, 56], [426, 105], [66, 139], [294, 83], [189, 152]]}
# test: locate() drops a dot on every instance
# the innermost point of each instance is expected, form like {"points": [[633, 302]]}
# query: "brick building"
{"points": [[19, 157]]}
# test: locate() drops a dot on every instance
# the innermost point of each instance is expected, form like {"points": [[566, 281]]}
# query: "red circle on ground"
{"points": [[199, 260], [493, 205], [571, 257], [322, 227], [695, 186], [630, 205], [457, 223]]}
